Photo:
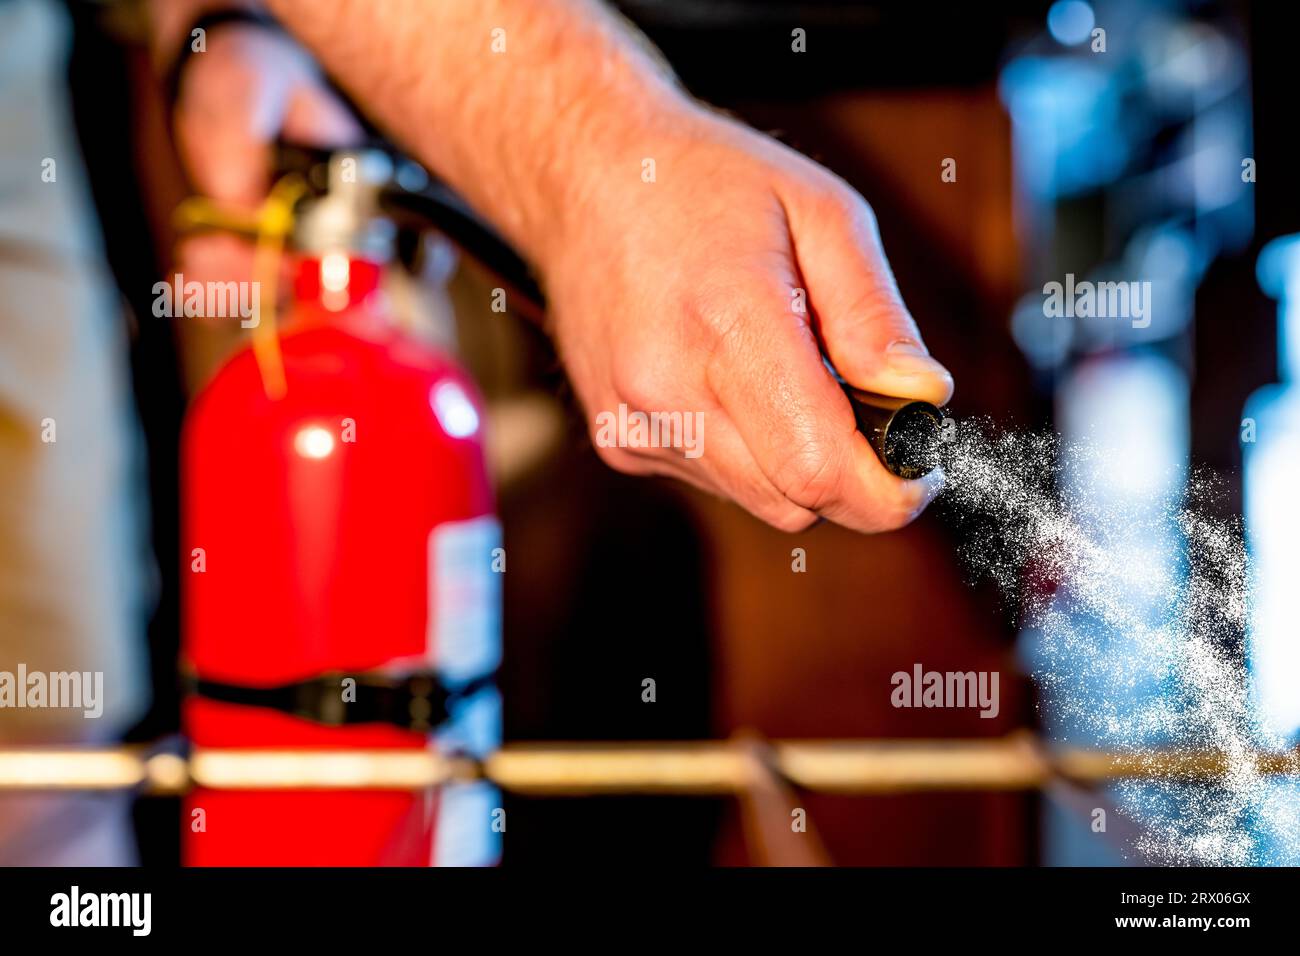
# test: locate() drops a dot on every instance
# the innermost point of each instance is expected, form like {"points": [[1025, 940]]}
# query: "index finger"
{"points": [[768, 375]]}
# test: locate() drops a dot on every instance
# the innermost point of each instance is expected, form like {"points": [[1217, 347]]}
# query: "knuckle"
{"points": [[727, 355], [764, 502], [790, 520], [712, 310], [637, 383], [840, 203], [641, 377], [619, 459], [882, 302], [860, 212], [808, 477]]}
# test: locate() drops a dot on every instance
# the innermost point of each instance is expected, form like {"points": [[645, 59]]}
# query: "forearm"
{"points": [[517, 131]]}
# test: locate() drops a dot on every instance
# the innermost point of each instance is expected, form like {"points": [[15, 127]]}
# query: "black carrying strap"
{"points": [[419, 702]]}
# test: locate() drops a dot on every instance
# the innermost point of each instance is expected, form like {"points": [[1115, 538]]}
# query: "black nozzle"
{"points": [[904, 432]]}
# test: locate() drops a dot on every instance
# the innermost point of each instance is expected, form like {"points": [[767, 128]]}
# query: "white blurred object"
{"points": [[1131, 410], [1271, 465]]}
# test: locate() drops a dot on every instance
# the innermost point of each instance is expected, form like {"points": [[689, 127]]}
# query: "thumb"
{"points": [[865, 328]]}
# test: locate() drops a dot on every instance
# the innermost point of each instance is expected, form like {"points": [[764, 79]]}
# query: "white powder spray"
{"points": [[1141, 613]]}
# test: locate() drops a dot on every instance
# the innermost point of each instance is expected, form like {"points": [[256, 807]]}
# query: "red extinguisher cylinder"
{"points": [[343, 529]]}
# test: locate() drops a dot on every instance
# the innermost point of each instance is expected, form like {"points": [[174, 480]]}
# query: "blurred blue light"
{"points": [[1070, 21], [1067, 124]]}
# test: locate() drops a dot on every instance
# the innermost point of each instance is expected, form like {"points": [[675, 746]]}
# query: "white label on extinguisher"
{"points": [[464, 630], [470, 823], [470, 819]]}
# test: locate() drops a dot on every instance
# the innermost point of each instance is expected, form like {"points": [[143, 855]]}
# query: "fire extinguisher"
{"points": [[339, 543]]}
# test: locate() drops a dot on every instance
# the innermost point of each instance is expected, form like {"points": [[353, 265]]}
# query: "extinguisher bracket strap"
{"points": [[418, 702]]}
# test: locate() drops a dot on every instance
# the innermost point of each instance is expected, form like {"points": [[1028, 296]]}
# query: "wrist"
{"points": [[608, 148]]}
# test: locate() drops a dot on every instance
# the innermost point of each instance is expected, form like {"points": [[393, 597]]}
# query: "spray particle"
{"points": [[1139, 615]]}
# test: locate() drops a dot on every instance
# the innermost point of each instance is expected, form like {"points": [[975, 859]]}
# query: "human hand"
{"points": [[682, 294], [249, 87]]}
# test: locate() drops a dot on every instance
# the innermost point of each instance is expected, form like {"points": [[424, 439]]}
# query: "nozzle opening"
{"points": [[911, 440]]}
